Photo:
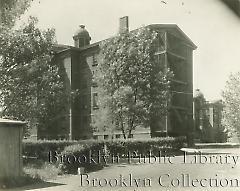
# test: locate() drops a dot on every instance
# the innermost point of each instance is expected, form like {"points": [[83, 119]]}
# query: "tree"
{"points": [[231, 100], [31, 85], [135, 86], [10, 10]]}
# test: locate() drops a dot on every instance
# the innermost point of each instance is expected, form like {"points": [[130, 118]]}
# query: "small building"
{"points": [[11, 133], [208, 118]]}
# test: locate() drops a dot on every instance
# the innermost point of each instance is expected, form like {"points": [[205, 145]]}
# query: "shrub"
{"points": [[79, 154], [39, 150], [44, 172], [143, 146], [36, 153], [70, 155]]}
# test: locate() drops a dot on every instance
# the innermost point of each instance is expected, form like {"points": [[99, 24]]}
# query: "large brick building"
{"points": [[174, 49]]}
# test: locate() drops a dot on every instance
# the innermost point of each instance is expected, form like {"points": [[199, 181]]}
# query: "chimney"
{"points": [[123, 24]]}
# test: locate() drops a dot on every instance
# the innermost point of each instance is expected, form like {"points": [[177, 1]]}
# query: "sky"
{"points": [[211, 25]]}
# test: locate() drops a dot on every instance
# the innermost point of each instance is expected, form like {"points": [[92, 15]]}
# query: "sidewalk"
{"points": [[72, 182], [217, 145], [214, 148]]}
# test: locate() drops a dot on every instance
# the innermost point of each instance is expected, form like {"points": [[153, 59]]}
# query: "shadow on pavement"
{"points": [[35, 186]]}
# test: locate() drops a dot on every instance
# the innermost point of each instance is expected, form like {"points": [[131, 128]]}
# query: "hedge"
{"points": [[143, 146], [79, 156], [39, 150], [77, 153]]}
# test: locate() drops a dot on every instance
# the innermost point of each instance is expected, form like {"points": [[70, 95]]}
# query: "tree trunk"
{"points": [[122, 125], [131, 125]]}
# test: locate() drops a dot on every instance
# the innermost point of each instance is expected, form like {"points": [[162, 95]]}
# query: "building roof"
{"points": [[60, 47], [218, 102], [172, 28]]}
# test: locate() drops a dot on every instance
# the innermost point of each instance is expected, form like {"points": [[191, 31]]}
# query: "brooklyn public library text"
{"points": [[161, 158]]}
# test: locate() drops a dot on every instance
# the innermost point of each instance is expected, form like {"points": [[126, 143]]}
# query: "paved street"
{"points": [[211, 171]]}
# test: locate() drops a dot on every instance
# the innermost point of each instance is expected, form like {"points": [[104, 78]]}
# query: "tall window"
{"points": [[95, 100], [94, 83], [94, 60]]}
